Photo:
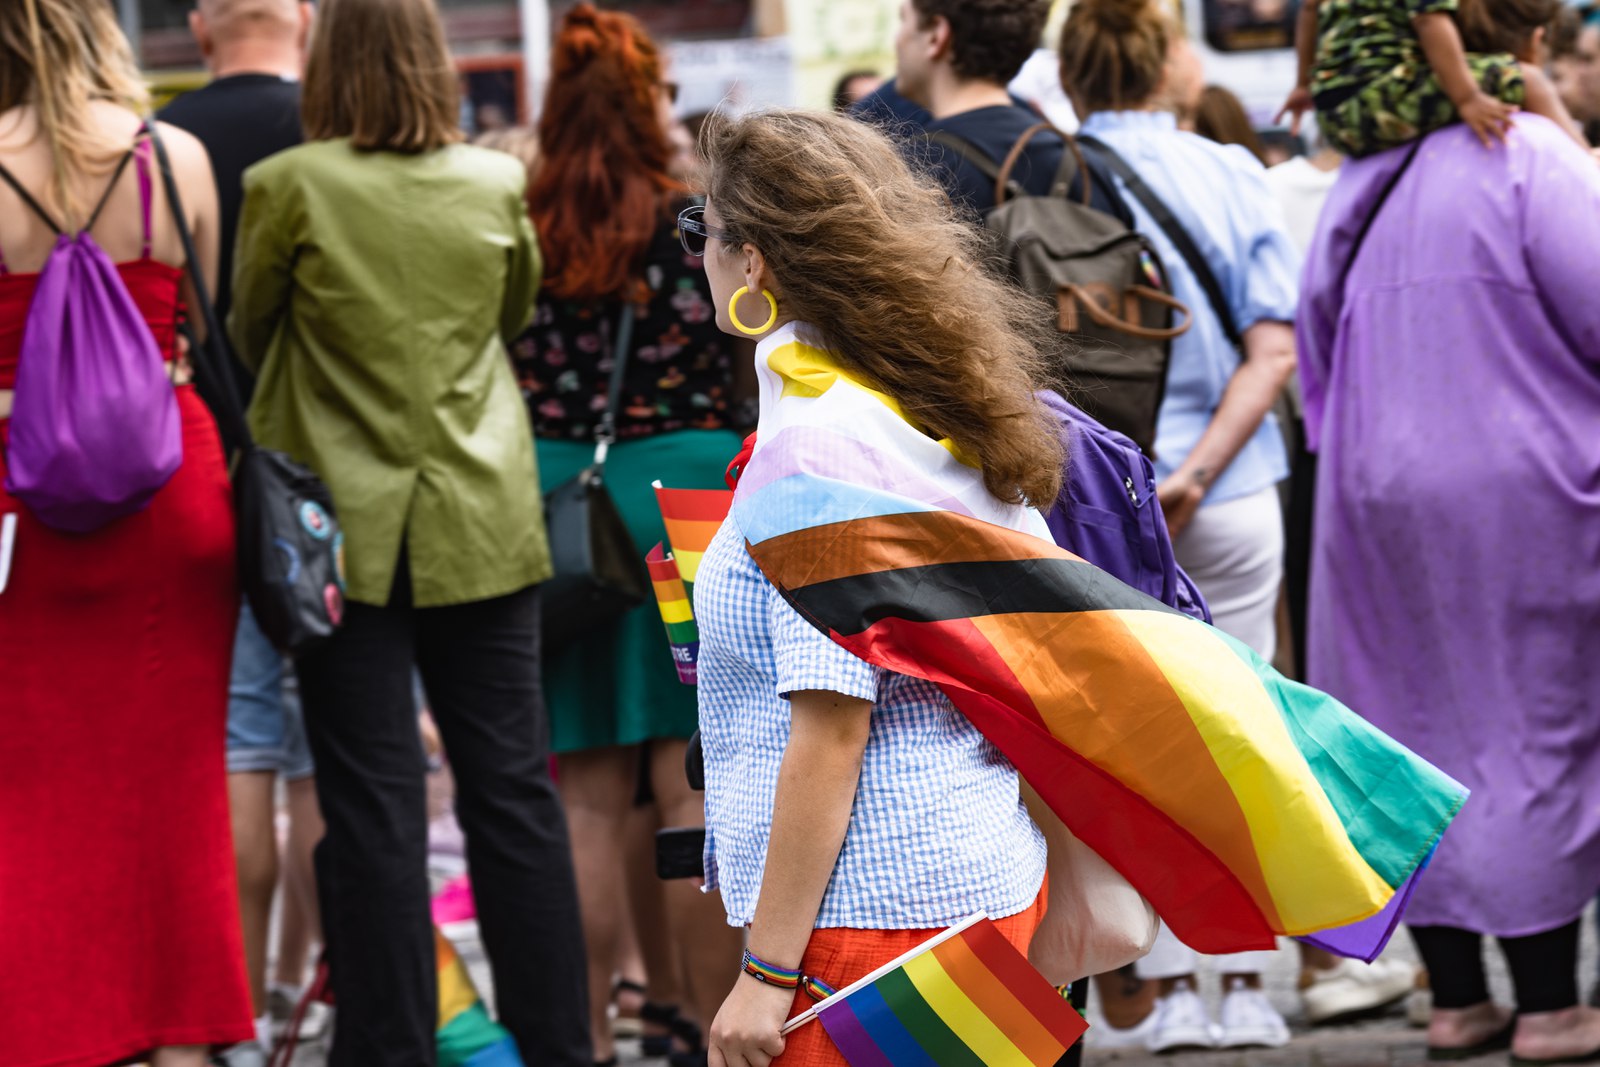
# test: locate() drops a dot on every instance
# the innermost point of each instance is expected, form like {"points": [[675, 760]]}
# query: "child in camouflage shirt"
{"points": [[1381, 73]]}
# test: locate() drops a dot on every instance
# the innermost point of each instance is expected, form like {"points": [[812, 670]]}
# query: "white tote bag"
{"points": [[1096, 920]]}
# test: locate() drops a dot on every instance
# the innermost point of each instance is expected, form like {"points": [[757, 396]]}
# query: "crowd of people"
{"points": [[1371, 455]]}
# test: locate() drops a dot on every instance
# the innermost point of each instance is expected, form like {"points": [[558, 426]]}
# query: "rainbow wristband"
{"points": [[767, 974]]}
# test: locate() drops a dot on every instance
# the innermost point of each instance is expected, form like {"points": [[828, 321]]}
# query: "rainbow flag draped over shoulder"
{"points": [[1241, 804], [965, 996]]}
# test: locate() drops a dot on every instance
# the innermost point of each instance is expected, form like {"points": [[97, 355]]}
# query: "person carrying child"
{"points": [[1381, 73]]}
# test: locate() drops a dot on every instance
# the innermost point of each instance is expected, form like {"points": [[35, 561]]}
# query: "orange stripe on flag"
{"points": [[687, 535], [985, 989], [1096, 662]]}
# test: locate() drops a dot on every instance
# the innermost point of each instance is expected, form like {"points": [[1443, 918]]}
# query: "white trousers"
{"points": [[1234, 553]]}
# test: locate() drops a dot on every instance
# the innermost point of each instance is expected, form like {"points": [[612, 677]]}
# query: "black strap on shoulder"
{"points": [[606, 433], [105, 197], [1164, 218], [1366, 225], [27, 198], [210, 357], [972, 154]]}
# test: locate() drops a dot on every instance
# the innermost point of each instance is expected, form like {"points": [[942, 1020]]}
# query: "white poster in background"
{"points": [[739, 74]]}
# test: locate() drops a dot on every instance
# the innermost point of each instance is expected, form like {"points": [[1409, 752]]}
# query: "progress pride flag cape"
{"points": [[1241, 804]]}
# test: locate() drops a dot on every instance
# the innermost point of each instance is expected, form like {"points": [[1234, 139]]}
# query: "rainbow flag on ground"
{"points": [[692, 517], [964, 997], [467, 1036], [1240, 804]]}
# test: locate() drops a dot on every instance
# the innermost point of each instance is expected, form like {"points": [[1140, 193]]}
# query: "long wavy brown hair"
{"points": [[603, 189], [59, 56], [876, 258]]}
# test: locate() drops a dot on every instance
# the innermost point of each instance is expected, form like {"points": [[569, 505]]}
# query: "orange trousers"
{"points": [[841, 955]]}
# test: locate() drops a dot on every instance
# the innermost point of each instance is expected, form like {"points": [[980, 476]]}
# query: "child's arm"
{"points": [[1441, 43], [1305, 45]]}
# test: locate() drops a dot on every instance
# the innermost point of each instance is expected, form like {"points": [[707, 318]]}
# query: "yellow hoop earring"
{"points": [[733, 312]]}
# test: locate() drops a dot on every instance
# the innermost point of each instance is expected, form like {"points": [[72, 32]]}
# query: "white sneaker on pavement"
{"points": [[1103, 1035], [1180, 1021], [1250, 1021], [1354, 988]]}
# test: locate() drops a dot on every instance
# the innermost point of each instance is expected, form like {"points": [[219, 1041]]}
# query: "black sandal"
{"points": [[659, 1046], [625, 1025]]}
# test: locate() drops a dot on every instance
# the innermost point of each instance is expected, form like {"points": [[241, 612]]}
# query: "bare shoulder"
{"points": [[189, 158]]}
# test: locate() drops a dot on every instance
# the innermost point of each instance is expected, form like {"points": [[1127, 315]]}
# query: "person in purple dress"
{"points": [[1452, 384]]}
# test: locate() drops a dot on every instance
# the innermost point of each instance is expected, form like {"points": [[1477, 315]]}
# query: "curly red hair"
{"points": [[604, 185]]}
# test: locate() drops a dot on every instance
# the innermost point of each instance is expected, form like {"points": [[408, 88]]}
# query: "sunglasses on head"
{"points": [[693, 231]]}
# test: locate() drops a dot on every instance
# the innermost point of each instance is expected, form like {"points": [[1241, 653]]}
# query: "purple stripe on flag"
{"points": [[852, 1039], [1367, 939]]}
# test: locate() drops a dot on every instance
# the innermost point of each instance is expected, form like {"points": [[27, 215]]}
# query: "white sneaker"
{"points": [[1102, 1035], [1354, 988], [1250, 1021], [1180, 1021]]}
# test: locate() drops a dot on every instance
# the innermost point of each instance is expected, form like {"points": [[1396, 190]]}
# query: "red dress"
{"points": [[119, 916]]}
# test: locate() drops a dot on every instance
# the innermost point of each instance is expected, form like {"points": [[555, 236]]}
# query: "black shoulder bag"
{"points": [[599, 572], [291, 550]]}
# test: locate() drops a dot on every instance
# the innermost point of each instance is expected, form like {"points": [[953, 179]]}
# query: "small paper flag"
{"points": [[964, 997], [692, 518], [673, 600]]}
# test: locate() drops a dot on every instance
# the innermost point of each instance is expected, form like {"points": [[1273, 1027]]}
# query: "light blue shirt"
{"points": [[1220, 195], [938, 830]]}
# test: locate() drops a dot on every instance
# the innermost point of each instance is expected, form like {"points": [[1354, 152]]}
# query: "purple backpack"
{"points": [[94, 423], [1108, 513]]}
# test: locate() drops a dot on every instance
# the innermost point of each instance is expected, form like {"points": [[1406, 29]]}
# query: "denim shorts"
{"points": [[266, 731]]}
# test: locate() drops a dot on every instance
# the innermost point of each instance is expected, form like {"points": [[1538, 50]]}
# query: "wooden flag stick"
{"points": [[899, 961]]}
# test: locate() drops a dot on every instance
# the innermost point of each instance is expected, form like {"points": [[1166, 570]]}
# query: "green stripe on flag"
{"points": [[1394, 805], [466, 1035], [683, 633], [923, 1023]]}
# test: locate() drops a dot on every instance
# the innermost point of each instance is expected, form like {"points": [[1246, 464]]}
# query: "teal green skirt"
{"points": [[617, 686]]}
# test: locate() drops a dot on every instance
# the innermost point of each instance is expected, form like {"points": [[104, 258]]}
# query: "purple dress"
{"points": [[1454, 400]]}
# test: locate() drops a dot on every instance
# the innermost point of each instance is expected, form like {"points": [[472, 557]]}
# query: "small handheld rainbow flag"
{"points": [[467, 1036], [964, 997], [692, 517], [672, 597]]}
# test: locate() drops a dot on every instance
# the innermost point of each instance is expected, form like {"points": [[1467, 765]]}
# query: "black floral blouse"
{"points": [[679, 374]]}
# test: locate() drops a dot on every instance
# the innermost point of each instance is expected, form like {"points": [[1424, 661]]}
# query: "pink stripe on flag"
{"points": [[835, 456]]}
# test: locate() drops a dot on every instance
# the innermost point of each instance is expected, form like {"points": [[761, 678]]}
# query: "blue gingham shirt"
{"points": [[938, 830]]}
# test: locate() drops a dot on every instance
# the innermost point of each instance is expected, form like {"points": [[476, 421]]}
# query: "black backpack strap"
{"points": [[1164, 218], [111, 186], [27, 199], [972, 154]]}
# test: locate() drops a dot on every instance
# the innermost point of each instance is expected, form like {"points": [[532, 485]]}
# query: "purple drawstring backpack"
{"points": [[94, 423]]}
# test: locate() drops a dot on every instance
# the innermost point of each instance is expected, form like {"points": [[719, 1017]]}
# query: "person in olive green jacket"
{"points": [[380, 270]]}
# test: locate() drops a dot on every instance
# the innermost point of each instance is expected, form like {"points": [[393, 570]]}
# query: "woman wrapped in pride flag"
{"points": [[888, 636]]}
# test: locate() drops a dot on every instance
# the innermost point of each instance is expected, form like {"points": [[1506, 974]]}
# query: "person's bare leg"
{"points": [[179, 1056], [1126, 1000], [707, 946], [1541, 98], [647, 914], [300, 927], [255, 854], [1548, 1035], [597, 788], [1452, 1028]]}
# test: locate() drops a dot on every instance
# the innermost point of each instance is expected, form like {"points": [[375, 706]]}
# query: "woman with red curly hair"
{"points": [[605, 204]]}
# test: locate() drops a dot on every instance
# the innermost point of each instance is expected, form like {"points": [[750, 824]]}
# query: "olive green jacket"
{"points": [[373, 295]]}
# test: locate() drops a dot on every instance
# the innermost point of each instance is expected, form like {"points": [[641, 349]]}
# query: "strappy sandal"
{"points": [[659, 1046], [1495, 1042], [626, 1025]]}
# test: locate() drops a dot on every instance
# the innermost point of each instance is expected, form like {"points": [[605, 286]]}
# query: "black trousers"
{"points": [[1544, 967], [480, 665]]}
